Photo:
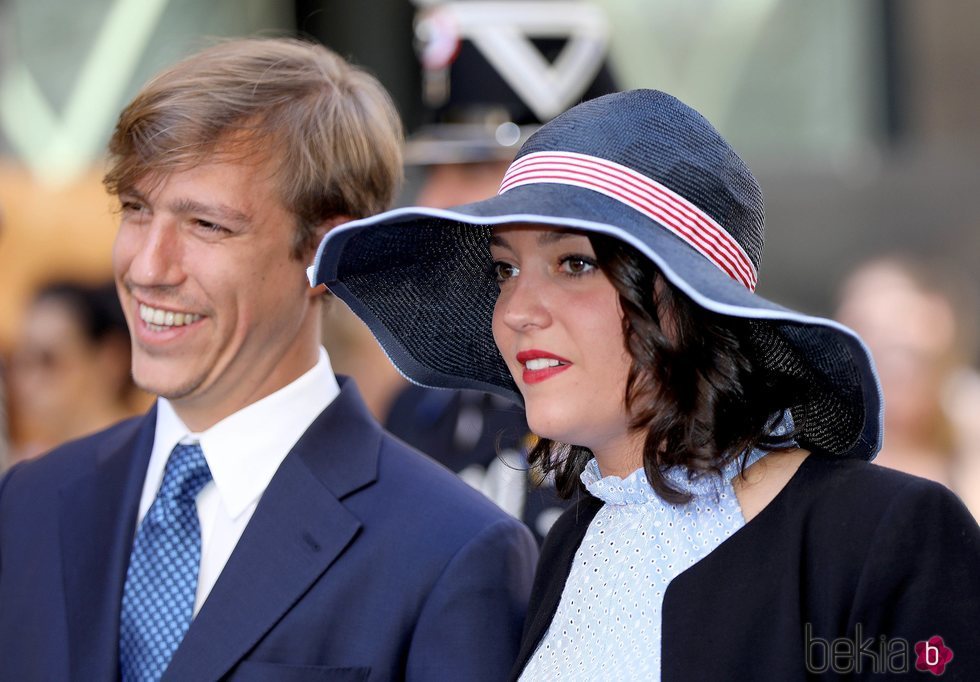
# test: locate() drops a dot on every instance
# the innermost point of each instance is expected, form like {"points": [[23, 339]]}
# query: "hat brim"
{"points": [[420, 279]]}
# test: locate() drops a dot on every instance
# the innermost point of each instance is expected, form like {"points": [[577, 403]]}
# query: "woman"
{"points": [[732, 527]]}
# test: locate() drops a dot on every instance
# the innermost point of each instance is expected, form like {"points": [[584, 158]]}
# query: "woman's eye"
{"points": [[576, 265], [504, 271]]}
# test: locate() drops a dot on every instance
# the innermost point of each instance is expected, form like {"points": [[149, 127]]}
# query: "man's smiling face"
{"points": [[213, 297]]}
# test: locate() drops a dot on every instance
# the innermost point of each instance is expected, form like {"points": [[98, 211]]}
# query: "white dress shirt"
{"points": [[243, 451]]}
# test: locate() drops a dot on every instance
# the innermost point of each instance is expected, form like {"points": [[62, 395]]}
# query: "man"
{"points": [[257, 523]]}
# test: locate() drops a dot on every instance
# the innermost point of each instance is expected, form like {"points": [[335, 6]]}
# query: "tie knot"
{"points": [[186, 473]]}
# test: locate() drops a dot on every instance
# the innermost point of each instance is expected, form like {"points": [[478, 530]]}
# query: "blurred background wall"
{"points": [[861, 119]]}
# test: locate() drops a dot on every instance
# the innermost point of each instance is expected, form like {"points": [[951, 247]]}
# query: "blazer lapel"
{"points": [[97, 521], [298, 530], [549, 581]]}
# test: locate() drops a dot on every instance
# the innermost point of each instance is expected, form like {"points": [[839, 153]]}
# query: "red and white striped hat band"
{"points": [[642, 194]]}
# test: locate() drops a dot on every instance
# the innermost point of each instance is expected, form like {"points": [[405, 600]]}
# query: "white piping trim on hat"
{"points": [[642, 194]]}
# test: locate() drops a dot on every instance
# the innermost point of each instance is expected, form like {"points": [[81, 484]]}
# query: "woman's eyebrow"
{"points": [[552, 236], [545, 238]]}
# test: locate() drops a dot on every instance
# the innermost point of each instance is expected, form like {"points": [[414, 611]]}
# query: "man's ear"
{"points": [[319, 290], [331, 223], [320, 231]]}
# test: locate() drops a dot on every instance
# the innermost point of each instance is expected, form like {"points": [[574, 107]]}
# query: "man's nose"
{"points": [[157, 257]]}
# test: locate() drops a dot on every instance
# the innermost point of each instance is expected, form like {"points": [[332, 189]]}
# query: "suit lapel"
{"points": [[549, 582], [299, 528], [97, 521]]}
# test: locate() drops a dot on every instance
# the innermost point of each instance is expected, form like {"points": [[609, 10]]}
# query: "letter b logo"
{"points": [[931, 654]]}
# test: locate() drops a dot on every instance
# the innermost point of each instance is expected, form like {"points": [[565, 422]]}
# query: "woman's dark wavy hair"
{"points": [[696, 385]]}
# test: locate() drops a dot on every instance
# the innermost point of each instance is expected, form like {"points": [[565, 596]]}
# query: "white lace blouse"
{"points": [[608, 622]]}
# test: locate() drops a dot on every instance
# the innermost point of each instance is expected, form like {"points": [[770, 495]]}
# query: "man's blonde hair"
{"points": [[331, 127]]}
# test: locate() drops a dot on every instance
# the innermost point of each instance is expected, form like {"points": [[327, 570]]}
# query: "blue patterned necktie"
{"points": [[161, 582]]}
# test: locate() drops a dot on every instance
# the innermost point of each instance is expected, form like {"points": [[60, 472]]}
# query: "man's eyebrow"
{"points": [[220, 211]]}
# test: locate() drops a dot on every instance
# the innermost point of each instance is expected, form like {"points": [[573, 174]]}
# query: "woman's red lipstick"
{"points": [[535, 376]]}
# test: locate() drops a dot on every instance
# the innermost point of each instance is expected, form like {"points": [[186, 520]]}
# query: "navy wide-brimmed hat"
{"points": [[639, 166]]}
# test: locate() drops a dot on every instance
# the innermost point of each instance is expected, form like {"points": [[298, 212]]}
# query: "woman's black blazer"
{"points": [[841, 575]]}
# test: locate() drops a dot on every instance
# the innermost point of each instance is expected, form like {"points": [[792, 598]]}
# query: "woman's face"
{"points": [[558, 325]]}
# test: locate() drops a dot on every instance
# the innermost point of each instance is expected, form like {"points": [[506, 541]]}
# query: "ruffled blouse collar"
{"points": [[635, 489]]}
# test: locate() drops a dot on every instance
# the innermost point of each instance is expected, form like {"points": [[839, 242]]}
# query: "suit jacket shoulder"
{"points": [[404, 472]]}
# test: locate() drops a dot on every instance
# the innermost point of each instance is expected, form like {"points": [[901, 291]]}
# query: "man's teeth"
{"points": [[166, 318], [541, 363]]}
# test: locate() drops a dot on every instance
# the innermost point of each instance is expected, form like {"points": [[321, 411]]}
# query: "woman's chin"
{"points": [[557, 430]]}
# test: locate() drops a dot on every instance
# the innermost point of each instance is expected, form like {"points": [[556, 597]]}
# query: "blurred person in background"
{"points": [[919, 319], [70, 370], [482, 101], [4, 419]]}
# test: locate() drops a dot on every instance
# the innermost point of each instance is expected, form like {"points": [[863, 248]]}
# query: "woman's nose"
{"points": [[526, 303]]}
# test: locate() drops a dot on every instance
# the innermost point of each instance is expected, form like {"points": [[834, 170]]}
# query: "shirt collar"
{"points": [[245, 449]]}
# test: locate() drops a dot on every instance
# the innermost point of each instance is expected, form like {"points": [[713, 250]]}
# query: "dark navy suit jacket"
{"points": [[363, 560]]}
